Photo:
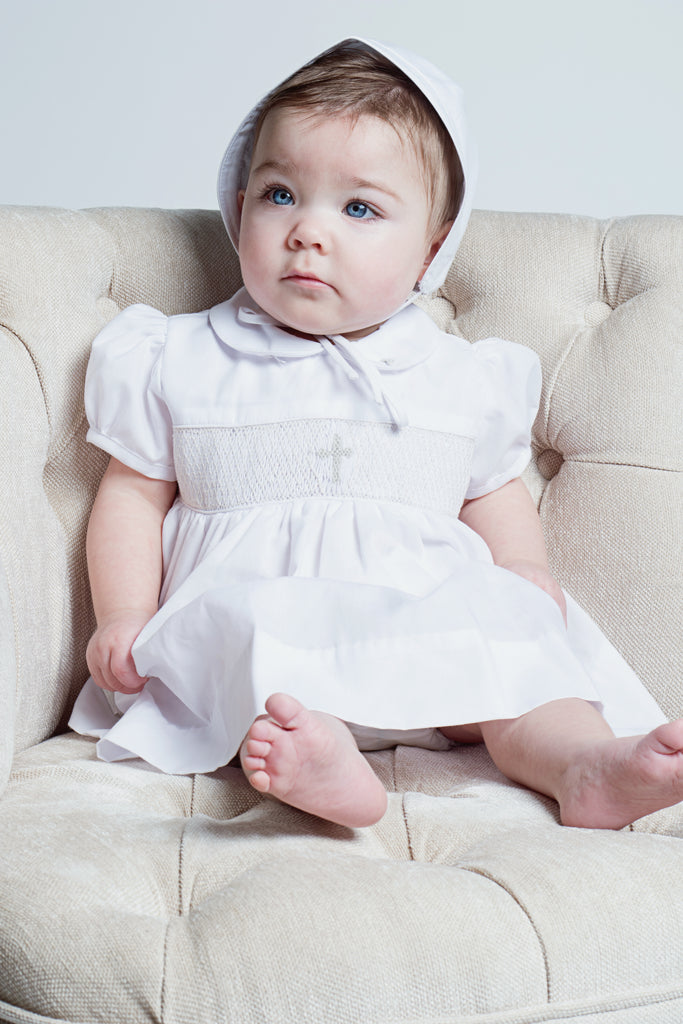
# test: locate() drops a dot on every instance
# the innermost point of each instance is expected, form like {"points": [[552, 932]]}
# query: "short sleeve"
{"points": [[124, 399], [510, 392]]}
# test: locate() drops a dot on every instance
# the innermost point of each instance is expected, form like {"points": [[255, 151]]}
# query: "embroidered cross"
{"points": [[336, 453]]}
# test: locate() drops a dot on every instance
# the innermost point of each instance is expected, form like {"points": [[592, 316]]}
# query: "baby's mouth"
{"points": [[306, 280]]}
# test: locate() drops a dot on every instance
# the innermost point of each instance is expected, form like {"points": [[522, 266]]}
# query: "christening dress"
{"points": [[315, 548]]}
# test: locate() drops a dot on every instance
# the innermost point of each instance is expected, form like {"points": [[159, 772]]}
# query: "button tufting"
{"points": [[596, 313], [549, 463]]}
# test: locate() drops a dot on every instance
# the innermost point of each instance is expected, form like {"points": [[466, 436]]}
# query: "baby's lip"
{"points": [[304, 276]]}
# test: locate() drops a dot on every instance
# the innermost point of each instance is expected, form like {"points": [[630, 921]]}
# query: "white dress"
{"points": [[315, 546]]}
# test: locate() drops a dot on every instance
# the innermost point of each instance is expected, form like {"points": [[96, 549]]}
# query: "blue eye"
{"points": [[358, 210], [281, 197]]}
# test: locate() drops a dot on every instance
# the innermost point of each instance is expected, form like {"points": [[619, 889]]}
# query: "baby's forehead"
{"points": [[344, 134]]}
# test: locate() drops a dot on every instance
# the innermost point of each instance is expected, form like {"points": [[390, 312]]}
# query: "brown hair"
{"points": [[353, 81]]}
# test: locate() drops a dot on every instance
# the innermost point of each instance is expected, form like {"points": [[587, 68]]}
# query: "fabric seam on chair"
{"points": [[604, 293], [162, 992], [539, 939], [552, 383], [181, 851], [181, 848], [546, 1015], [36, 368], [620, 465], [540, 1015], [407, 827], [64, 446], [601, 291], [559, 1010], [179, 908]]}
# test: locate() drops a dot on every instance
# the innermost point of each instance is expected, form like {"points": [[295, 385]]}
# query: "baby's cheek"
{"points": [[392, 289]]}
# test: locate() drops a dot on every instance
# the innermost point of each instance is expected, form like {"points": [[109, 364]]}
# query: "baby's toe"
{"points": [[260, 780], [284, 709], [263, 730], [258, 748]]}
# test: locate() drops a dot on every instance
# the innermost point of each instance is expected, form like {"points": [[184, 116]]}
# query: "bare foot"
{"points": [[616, 782], [309, 759]]}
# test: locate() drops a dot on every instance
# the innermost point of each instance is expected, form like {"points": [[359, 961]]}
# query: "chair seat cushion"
{"points": [[134, 896]]}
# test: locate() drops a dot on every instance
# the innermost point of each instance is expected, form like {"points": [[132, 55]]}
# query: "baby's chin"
{"points": [[309, 323], [351, 334]]}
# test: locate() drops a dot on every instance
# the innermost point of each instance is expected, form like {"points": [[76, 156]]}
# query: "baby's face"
{"points": [[334, 223]]}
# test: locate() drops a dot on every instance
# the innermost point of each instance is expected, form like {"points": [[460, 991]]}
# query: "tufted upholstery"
{"points": [[128, 896]]}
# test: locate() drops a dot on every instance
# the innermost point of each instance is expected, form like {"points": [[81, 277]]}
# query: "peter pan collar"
{"points": [[407, 339]]}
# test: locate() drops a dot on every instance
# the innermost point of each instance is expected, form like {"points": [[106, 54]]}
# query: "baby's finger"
{"points": [[99, 667], [124, 673]]}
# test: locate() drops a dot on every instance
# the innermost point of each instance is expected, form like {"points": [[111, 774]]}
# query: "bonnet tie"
{"points": [[355, 364], [348, 355]]}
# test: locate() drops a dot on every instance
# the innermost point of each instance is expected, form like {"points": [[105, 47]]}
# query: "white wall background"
{"points": [[577, 107]]}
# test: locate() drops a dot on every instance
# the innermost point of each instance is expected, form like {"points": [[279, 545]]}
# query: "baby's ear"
{"points": [[437, 241], [240, 200]]}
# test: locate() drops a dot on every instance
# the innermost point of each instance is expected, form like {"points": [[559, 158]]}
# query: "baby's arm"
{"points": [[508, 521], [125, 566]]}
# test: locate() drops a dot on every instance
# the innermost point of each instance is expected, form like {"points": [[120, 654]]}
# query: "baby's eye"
{"points": [[281, 197], [358, 210]]}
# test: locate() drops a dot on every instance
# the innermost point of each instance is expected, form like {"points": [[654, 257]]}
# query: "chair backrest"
{"points": [[600, 302]]}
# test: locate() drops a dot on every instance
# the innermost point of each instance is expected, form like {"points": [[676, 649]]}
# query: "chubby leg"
{"points": [[566, 750], [310, 760]]}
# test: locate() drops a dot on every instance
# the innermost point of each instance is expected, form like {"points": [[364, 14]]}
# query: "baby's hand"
{"points": [[109, 652], [539, 575]]}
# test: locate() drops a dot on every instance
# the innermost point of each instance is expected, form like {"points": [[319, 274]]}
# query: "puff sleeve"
{"points": [[510, 392], [124, 399]]}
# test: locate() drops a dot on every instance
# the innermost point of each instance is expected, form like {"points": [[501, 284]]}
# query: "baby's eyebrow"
{"points": [[278, 166], [376, 186]]}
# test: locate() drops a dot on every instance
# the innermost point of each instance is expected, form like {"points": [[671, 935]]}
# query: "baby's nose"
{"points": [[308, 233]]}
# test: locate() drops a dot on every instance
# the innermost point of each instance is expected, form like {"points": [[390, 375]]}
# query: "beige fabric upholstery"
{"points": [[127, 896]]}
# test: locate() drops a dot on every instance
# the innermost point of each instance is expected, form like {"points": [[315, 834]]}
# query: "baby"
{"points": [[349, 558]]}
